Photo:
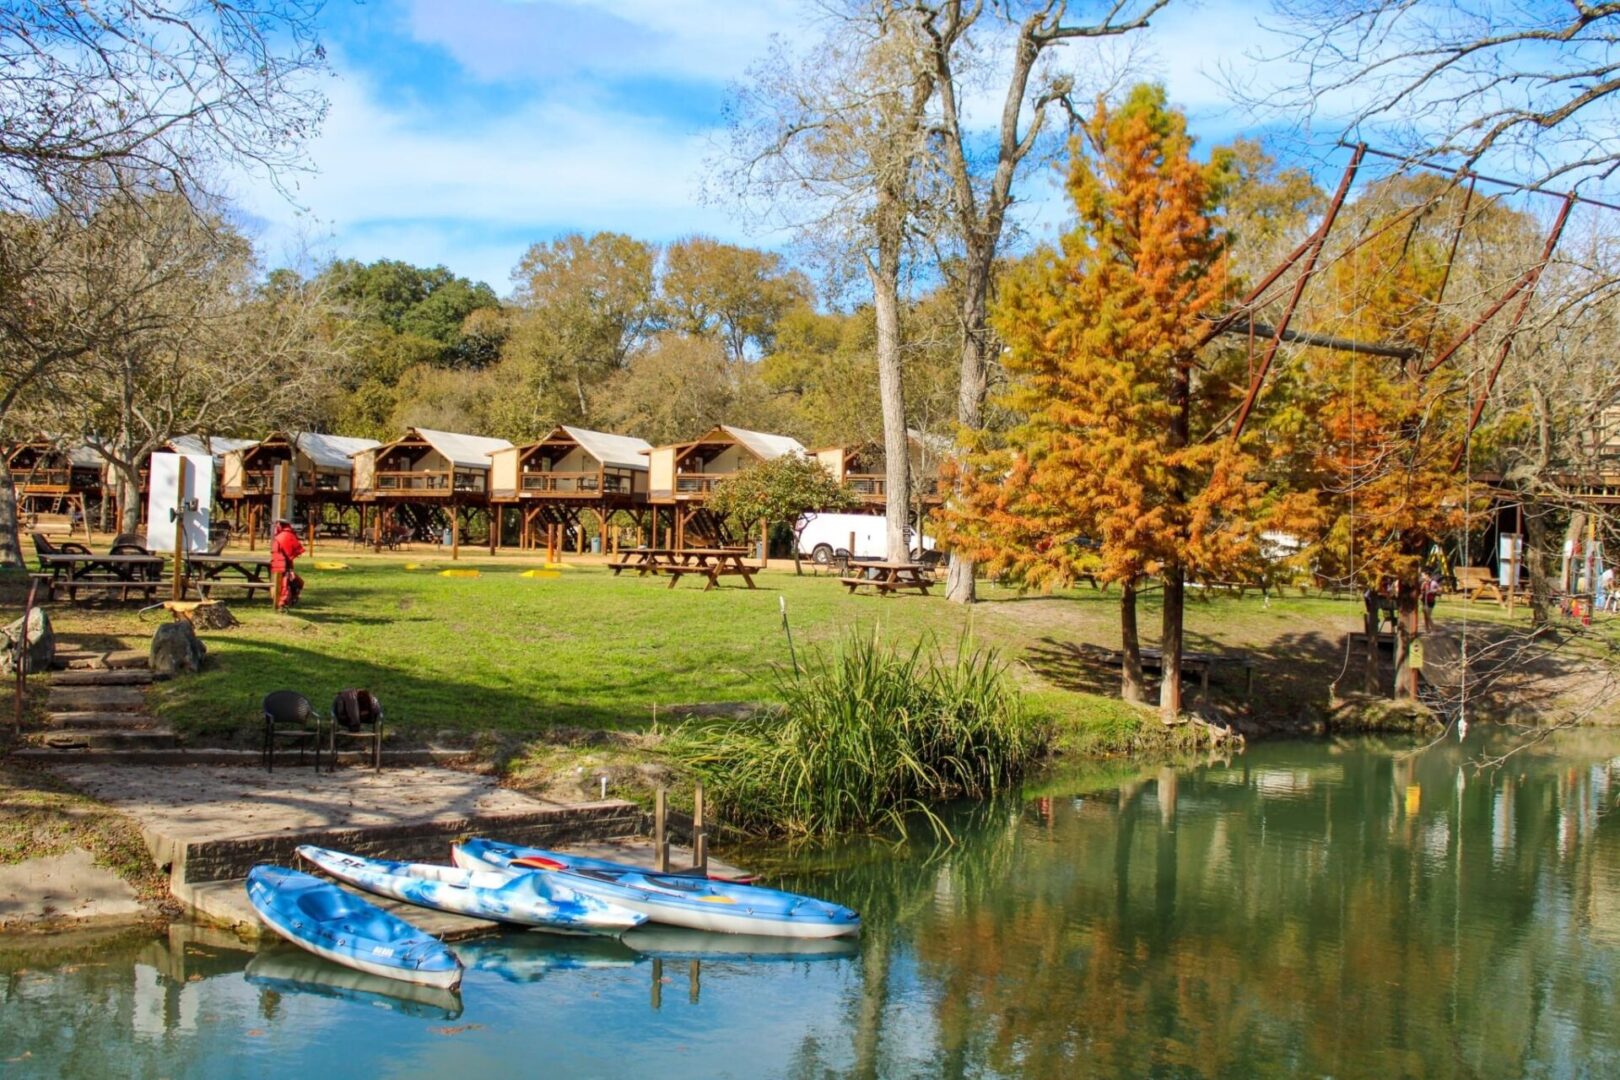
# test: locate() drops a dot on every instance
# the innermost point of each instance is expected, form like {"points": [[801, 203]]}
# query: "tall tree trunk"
{"points": [[1130, 668], [1175, 595], [129, 499], [884, 275], [10, 541], [1406, 621], [1535, 559], [1371, 621], [975, 381]]}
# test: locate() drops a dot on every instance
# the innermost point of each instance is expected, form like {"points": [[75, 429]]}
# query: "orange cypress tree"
{"points": [[1100, 476]]}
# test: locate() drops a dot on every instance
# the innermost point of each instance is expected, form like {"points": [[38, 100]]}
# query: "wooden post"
{"points": [[660, 829], [700, 834], [312, 531], [764, 544], [180, 530], [654, 528], [657, 982], [495, 522], [693, 966], [1513, 572], [253, 526], [579, 534], [455, 532]]}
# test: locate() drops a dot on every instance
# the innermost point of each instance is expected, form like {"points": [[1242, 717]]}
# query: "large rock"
{"points": [[41, 644], [176, 648]]}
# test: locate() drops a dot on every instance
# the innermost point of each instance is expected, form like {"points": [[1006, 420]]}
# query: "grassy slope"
{"points": [[513, 654]]}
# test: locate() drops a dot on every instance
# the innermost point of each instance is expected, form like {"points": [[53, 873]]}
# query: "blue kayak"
{"points": [[341, 927], [673, 899], [484, 893]]}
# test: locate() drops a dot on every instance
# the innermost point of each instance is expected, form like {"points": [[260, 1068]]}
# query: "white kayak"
{"points": [[530, 899]]}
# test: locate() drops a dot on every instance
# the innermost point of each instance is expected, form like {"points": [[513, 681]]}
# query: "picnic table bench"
{"points": [[205, 572], [888, 577], [1200, 663], [72, 572], [643, 560], [710, 563]]}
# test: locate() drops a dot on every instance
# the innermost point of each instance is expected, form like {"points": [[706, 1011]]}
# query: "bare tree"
{"points": [[1534, 87], [832, 142], [1019, 43], [95, 91]]}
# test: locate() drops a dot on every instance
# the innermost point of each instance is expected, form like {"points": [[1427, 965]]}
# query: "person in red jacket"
{"points": [[284, 548]]}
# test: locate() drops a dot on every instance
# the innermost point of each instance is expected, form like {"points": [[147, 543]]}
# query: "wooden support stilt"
{"points": [[700, 832], [661, 830], [179, 586], [455, 532]]}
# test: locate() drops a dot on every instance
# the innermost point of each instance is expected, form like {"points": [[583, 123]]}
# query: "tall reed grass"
{"points": [[865, 739]]}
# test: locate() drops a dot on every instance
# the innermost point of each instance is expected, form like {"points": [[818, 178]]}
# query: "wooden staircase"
{"points": [[99, 703]]}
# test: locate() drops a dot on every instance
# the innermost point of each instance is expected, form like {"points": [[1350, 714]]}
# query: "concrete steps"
{"points": [[103, 677], [97, 706], [95, 699]]}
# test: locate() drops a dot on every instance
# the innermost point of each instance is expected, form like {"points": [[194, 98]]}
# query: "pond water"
{"points": [[1300, 910]]}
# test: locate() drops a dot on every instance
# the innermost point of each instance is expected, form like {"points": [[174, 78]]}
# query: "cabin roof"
{"points": [[463, 451], [620, 451], [331, 451], [216, 446], [764, 446], [84, 457]]}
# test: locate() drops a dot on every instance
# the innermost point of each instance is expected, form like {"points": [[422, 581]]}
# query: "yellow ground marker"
{"points": [[413, 566], [331, 566], [546, 574], [458, 573]]}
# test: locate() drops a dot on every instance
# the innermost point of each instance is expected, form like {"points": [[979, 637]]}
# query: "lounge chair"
{"points": [[289, 716], [356, 714]]}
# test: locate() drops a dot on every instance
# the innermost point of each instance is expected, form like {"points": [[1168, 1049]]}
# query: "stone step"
{"points": [[125, 677], [95, 699], [70, 740], [76, 659], [132, 721]]}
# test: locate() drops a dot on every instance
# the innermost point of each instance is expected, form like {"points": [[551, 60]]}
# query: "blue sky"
{"points": [[462, 131]]}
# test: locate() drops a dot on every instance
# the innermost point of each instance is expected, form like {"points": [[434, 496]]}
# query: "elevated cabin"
{"points": [[864, 468], [45, 471], [687, 472], [424, 465], [322, 467], [683, 476], [215, 447], [572, 464], [568, 473]]}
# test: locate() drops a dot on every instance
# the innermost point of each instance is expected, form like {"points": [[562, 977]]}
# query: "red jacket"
{"points": [[283, 550]]}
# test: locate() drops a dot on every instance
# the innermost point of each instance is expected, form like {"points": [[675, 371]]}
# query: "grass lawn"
{"points": [[505, 653]]}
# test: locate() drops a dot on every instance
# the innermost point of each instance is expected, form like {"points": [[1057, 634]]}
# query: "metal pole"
{"points": [[1299, 290]]}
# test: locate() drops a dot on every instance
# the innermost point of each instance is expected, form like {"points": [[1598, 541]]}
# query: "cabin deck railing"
{"points": [[428, 482]]}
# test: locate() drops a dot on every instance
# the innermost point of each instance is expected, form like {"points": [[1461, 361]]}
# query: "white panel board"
{"points": [[165, 496]]}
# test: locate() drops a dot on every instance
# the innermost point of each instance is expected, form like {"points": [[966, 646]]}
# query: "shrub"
{"points": [[865, 739]]}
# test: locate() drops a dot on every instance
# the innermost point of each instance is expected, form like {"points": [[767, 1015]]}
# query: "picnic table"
{"points": [[1201, 664], [888, 577], [710, 563], [124, 574], [206, 572]]}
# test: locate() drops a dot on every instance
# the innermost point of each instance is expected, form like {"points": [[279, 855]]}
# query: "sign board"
{"points": [[1509, 558], [165, 499]]}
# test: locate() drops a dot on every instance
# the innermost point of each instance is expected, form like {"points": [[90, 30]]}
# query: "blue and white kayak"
{"points": [[341, 927], [526, 958], [674, 899], [287, 970], [528, 899]]}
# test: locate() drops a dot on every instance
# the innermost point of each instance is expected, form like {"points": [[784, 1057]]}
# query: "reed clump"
{"points": [[866, 738]]}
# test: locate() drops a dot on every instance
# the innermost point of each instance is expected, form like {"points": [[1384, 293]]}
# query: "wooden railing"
{"points": [[698, 483], [576, 483], [436, 482], [873, 486], [45, 479]]}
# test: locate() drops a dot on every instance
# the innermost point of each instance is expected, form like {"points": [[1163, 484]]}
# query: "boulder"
{"points": [[41, 644], [176, 648]]}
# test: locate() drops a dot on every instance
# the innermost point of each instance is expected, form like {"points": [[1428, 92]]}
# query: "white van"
{"points": [[821, 535]]}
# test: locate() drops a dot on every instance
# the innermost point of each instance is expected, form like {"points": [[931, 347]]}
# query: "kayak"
{"points": [[339, 926], [287, 970], [674, 899], [528, 899]]}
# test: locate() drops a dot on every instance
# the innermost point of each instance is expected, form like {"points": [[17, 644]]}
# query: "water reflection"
{"points": [[1353, 909]]}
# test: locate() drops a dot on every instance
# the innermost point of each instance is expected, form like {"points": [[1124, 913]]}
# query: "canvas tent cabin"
{"points": [[683, 477], [322, 473], [569, 472], [425, 483], [215, 447], [864, 468], [45, 471]]}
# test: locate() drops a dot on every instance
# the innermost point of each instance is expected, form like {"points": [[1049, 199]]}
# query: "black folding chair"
{"points": [[289, 717], [356, 714]]}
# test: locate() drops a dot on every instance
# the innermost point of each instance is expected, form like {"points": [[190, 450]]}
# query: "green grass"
{"points": [[517, 656]]}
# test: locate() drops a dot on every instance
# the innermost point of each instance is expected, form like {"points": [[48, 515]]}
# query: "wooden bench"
{"points": [[713, 572], [204, 587], [885, 587], [145, 590]]}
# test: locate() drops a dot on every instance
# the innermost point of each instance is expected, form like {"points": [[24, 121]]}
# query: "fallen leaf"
{"points": [[256, 1033], [455, 1030]]}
